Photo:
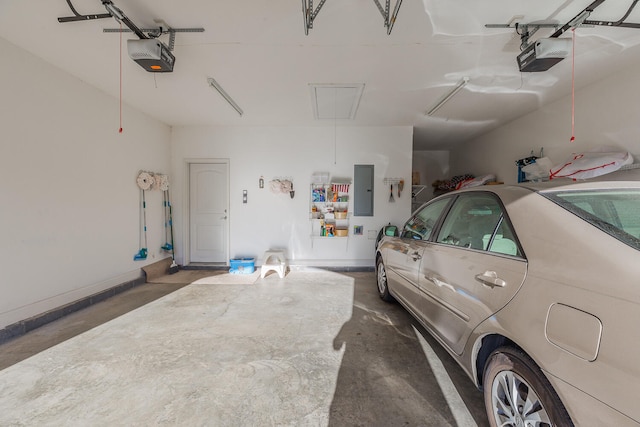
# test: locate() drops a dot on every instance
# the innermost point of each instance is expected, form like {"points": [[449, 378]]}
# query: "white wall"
{"points": [[276, 220], [432, 166], [69, 212], [606, 115]]}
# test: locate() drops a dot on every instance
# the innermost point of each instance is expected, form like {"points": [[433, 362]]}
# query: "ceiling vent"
{"points": [[335, 101]]}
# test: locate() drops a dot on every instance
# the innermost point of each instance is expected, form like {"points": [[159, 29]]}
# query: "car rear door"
{"points": [[471, 270]]}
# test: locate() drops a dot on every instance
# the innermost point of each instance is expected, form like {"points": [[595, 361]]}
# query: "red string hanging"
{"points": [[573, 87], [120, 130]]}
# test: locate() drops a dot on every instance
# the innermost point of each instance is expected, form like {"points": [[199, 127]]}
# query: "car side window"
{"points": [[504, 241], [614, 211], [420, 226], [475, 221]]}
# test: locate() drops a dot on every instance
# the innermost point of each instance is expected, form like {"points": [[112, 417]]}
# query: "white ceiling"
{"points": [[258, 52]]}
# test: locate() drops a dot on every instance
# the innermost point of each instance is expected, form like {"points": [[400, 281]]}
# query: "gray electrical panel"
{"points": [[363, 190]]}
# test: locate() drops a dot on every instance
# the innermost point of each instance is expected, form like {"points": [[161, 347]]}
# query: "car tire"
{"points": [[381, 280], [510, 371]]}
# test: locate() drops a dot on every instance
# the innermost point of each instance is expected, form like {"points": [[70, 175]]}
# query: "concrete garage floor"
{"points": [[313, 349]]}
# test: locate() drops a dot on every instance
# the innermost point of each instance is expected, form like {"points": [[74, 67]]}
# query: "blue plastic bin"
{"points": [[242, 265]]}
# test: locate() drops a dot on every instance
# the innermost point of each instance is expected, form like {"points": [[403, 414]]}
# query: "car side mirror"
{"points": [[391, 230], [387, 230]]}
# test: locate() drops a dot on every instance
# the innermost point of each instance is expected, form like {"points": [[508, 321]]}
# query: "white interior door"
{"points": [[208, 211]]}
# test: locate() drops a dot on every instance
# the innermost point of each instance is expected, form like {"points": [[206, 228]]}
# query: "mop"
{"points": [[165, 203], [173, 268], [142, 253], [145, 181], [162, 183]]}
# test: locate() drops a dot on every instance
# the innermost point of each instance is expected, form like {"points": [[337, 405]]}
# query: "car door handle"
{"points": [[416, 255], [491, 279]]}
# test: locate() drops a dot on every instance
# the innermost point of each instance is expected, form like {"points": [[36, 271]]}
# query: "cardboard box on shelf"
{"points": [[415, 178]]}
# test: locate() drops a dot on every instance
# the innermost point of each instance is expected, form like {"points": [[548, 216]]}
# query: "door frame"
{"points": [[186, 206]]}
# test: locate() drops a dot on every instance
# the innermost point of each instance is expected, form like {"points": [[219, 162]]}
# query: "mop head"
{"points": [[141, 255]]}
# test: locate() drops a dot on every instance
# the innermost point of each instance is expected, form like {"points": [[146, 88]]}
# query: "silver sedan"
{"points": [[534, 289]]}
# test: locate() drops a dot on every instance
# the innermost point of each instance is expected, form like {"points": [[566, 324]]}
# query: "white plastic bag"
{"points": [[539, 170], [591, 164], [479, 180]]}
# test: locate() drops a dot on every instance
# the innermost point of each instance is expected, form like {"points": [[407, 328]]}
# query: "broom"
{"points": [[173, 268]]}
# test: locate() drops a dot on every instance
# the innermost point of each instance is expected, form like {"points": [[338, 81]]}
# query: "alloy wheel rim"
{"points": [[515, 403], [382, 279]]}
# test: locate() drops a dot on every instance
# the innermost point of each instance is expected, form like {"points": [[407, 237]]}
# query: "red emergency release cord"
{"points": [[120, 130], [573, 87]]}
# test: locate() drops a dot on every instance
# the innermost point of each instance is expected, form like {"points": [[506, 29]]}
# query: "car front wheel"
{"points": [[381, 278], [516, 392]]}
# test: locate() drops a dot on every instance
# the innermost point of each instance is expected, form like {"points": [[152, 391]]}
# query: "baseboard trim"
{"points": [[22, 327], [204, 266], [332, 268], [337, 269]]}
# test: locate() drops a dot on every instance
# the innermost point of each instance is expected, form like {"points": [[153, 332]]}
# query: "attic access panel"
{"points": [[335, 101]]}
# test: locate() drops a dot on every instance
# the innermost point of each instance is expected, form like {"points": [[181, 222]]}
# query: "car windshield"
{"points": [[613, 211]]}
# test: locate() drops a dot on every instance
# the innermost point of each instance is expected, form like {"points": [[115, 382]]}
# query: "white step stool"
{"points": [[273, 260]]}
